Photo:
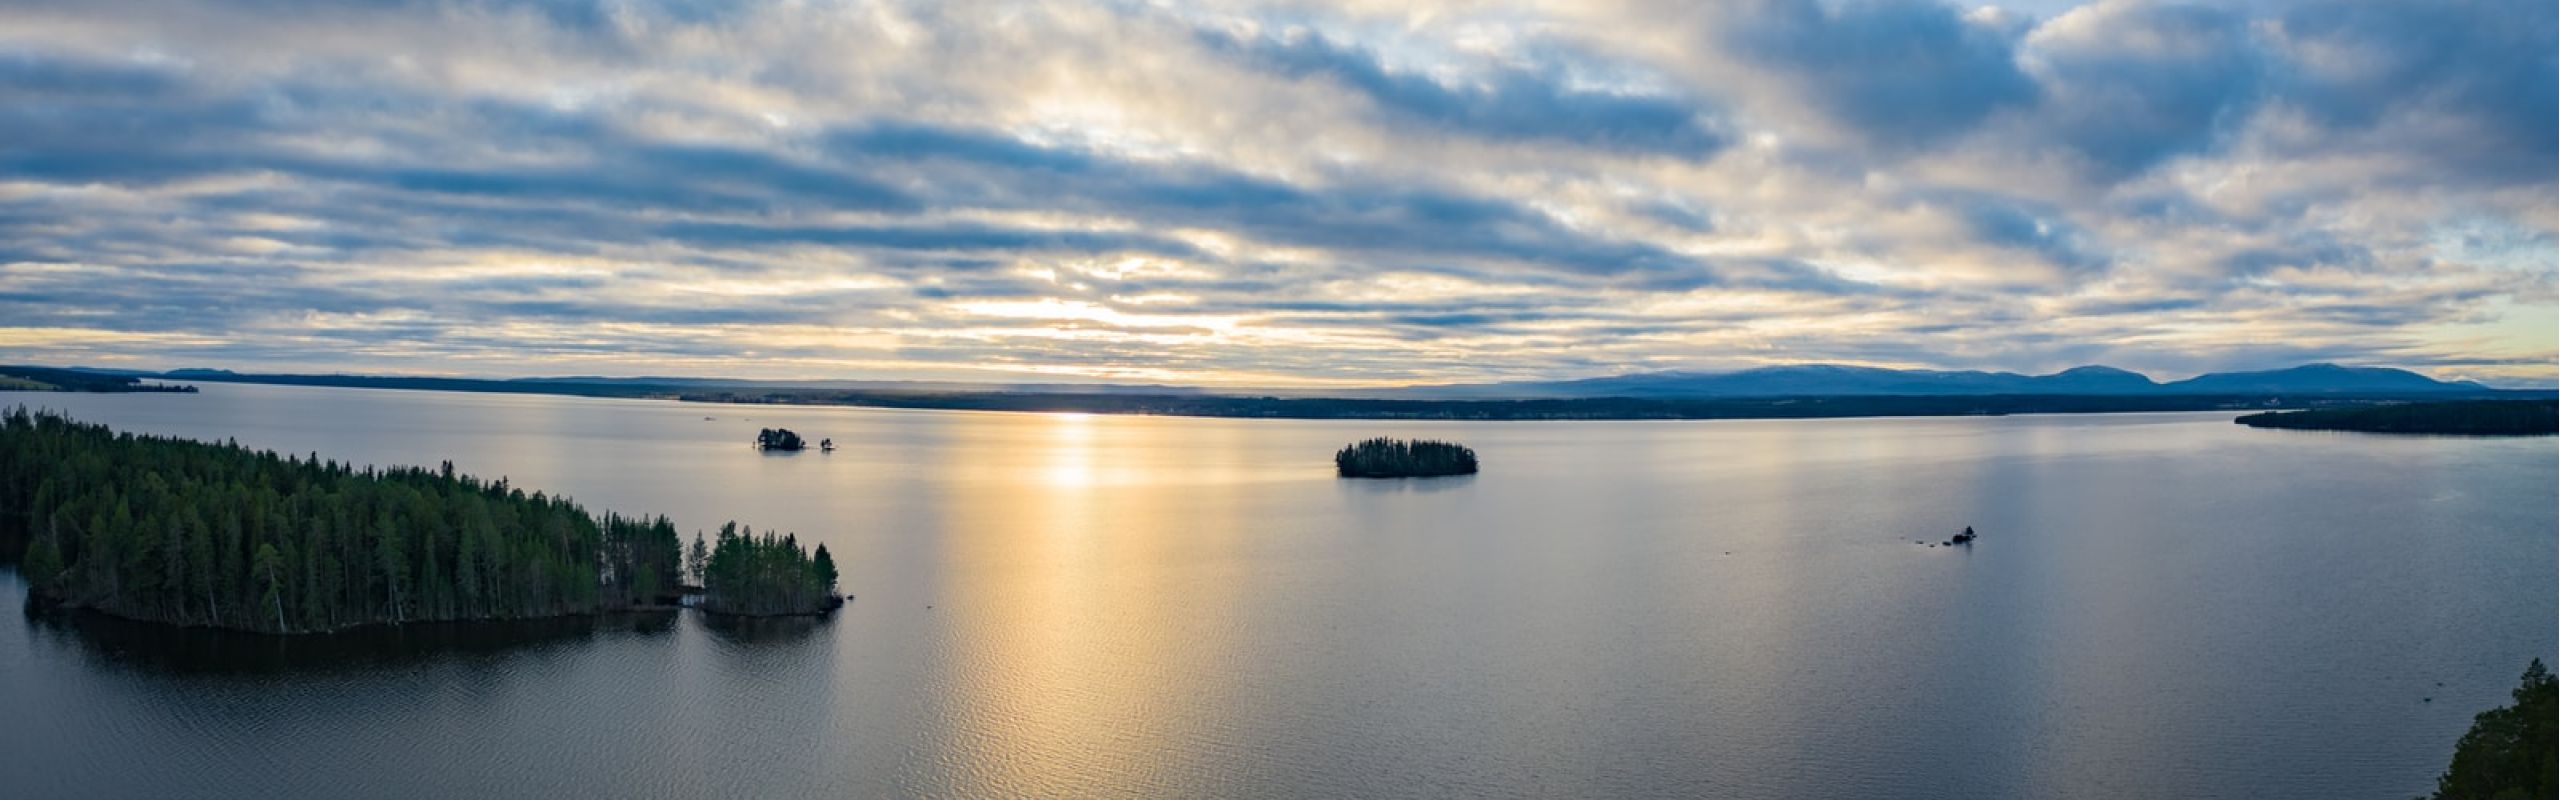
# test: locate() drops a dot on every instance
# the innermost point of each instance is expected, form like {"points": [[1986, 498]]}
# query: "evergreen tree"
{"points": [[268, 567], [826, 569], [44, 561], [698, 559]]}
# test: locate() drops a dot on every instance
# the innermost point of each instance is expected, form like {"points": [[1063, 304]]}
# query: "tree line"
{"points": [[185, 532]]}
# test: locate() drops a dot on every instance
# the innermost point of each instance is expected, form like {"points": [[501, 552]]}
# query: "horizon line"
{"points": [[1107, 382]]}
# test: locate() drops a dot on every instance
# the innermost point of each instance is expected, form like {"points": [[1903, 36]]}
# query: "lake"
{"points": [[2164, 605]]}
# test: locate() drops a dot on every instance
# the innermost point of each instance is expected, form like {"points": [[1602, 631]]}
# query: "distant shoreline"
{"points": [[44, 379], [1179, 404]]}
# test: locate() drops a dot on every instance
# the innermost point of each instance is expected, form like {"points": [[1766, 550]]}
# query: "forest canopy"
{"points": [[2510, 751], [178, 531]]}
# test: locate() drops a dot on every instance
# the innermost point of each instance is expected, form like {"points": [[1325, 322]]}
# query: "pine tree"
{"points": [[697, 560], [44, 560], [826, 570]]}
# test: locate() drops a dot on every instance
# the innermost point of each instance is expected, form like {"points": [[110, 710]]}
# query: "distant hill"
{"points": [[1834, 380], [1808, 380], [2321, 378], [659, 386]]}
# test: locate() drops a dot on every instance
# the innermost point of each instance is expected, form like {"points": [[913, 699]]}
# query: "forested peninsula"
{"points": [[2454, 418], [44, 379], [190, 533]]}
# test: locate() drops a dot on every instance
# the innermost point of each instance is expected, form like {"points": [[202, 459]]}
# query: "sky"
{"points": [[1277, 193]]}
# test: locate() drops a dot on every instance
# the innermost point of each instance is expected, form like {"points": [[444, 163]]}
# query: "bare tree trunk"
{"points": [[271, 587]]}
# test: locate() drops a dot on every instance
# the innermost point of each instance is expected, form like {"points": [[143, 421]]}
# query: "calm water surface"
{"points": [[2162, 605]]}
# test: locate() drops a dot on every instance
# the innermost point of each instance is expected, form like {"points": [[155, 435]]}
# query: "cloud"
{"points": [[1900, 72], [2129, 84], [1506, 102], [2476, 80], [1275, 192]]}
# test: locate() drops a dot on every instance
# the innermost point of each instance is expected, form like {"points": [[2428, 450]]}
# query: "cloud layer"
{"points": [[1275, 192]]}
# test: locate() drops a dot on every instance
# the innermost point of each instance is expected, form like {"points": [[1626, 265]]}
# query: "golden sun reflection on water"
{"points": [[1071, 461], [1074, 651]]}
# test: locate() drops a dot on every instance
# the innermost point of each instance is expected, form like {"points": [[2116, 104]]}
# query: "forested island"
{"points": [[45, 379], [190, 533], [762, 576], [779, 439], [1396, 458], [2459, 417]]}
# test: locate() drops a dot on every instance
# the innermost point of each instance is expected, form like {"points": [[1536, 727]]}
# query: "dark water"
{"points": [[2161, 605]]}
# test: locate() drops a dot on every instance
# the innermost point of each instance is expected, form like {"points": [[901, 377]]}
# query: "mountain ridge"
{"points": [[1820, 379]]}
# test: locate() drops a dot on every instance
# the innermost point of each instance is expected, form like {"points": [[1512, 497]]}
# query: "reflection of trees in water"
{"points": [[1407, 485], [155, 647], [166, 648], [764, 630]]}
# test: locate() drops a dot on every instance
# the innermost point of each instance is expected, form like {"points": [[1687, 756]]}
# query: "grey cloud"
{"points": [[130, 139], [2128, 84], [29, 77], [2307, 250], [2033, 227], [2496, 61], [2148, 305], [1900, 72], [1509, 102], [1408, 222], [1677, 214], [2141, 82], [960, 237], [806, 311]]}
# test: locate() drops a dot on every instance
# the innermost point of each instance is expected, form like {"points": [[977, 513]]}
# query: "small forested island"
{"points": [[2460, 417], [762, 576], [778, 439], [1396, 458], [42, 379], [189, 533]]}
